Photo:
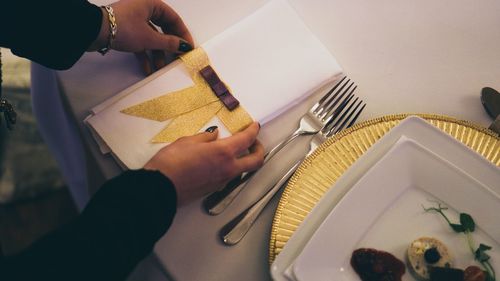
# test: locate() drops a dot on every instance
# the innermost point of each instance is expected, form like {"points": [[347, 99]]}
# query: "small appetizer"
{"points": [[445, 274], [424, 253], [375, 265], [467, 227], [474, 273]]}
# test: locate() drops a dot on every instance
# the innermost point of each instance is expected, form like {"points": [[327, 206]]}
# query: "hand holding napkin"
{"points": [[270, 61]]}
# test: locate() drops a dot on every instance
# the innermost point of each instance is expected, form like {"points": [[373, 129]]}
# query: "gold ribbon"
{"points": [[190, 108]]}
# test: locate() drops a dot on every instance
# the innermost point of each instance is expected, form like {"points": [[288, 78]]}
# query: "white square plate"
{"points": [[412, 127], [383, 210]]}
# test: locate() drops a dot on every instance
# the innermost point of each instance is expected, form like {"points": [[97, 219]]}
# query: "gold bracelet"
{"points": [[112, 27]]}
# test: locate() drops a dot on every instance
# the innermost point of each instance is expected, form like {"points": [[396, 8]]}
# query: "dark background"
{"points": [[33, 198]]}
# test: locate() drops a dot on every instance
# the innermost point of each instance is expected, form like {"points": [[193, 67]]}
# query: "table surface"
{"points": [[420, 56]]}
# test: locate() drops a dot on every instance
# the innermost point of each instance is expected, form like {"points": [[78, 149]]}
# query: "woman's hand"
{"points": [[137, 32], [201, 164]]}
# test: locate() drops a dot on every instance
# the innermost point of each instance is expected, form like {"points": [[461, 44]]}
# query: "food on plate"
{"points": [[474, 273], [467, 227], [375, 265], [426, 252], [445, 274], [471, 273]]}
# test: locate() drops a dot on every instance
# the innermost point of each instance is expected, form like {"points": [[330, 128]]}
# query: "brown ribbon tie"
{"points": [[219, 88]]}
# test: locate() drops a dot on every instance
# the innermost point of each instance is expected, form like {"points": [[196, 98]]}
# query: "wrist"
{"points": [[102, 38], [153, 166], [107, 33]]}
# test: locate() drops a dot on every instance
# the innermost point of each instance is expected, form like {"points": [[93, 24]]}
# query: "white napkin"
{"points": [[270, 60]]}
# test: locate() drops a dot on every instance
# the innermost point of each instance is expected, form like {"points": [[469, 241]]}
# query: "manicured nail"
{"points": [[184, 47], [211, 129], [258, 124]]}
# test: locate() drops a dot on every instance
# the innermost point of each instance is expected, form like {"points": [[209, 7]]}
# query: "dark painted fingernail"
{"points": [[211, 129], [259, 125], [184, 47]]}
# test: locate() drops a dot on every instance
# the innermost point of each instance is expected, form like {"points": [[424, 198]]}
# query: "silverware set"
{"points": [[336, 110]]}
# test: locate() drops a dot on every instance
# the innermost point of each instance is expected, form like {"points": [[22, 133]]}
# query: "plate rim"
{"points": [[395, 118], [403, 145]]}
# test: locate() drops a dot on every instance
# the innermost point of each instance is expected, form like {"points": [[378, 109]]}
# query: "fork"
{"points": [[310, 123], [237, 228]]}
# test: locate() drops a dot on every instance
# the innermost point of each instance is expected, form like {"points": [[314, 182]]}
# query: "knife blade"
{"points": [[490, 99]]}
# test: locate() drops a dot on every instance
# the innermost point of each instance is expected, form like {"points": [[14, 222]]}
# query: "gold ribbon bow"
{"points": [[190, 108]]}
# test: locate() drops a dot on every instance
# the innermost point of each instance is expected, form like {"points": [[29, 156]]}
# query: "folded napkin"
{"points": [[270, 60]]}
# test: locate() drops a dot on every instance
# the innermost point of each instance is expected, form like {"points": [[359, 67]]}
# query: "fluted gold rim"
{"points": [[289, 214]]}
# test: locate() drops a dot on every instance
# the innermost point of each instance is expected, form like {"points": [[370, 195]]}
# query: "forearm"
{"points": [[116, 230], [54, 33]]}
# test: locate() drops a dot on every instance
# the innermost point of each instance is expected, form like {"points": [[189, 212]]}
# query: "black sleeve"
{"points": [[54, 33], [116, 230]]}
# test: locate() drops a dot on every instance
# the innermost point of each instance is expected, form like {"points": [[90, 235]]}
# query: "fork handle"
{"points": [[284, 143], [218, 201], [237, 228]]}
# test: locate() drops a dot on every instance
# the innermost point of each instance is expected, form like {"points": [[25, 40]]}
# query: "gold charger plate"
{"points": [[320, 170]]}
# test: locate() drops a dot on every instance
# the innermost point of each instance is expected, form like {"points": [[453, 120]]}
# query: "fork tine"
{"points": [[332, 104], [316, 106], [332, 90], [341, 127], [346, 108], [333, 117], [356, 116], [320, 111], [328, 104]]}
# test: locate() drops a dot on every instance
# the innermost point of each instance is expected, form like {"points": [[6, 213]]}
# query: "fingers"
{"points": [[158, 56], [175, 38], [143, 59], [202, 137], [159, 59], [253, 160], [241, 141], [170, 22], [170, 43]]}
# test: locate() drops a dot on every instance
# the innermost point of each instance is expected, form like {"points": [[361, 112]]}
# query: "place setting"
{"points": [[377, 202], [386, 188]]}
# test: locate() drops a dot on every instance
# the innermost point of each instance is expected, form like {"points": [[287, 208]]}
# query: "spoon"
{"points": [[490, 99]]}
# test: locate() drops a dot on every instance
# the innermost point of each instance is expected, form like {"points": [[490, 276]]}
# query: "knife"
{"points": [[490, 99]]}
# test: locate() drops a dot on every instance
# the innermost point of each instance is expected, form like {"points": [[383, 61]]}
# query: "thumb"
{"points": [[170, 43], [207, 136]]}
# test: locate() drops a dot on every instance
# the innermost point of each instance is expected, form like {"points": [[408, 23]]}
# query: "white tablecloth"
{"points": [[406, 56]]}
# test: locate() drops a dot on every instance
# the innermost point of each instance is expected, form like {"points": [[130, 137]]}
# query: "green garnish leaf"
{"points": [[457, 227], [480, 254], [467, 222], [484, 247], [467, 226]]}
